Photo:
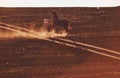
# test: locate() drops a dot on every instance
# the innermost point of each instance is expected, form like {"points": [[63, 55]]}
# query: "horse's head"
{"points": [[53, 12], [55, 16]]}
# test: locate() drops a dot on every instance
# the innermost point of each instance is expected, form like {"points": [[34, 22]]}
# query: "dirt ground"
{"points": [[34, 58]]}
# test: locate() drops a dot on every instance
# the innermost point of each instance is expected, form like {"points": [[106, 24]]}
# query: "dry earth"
{"points": [[34, 58]]}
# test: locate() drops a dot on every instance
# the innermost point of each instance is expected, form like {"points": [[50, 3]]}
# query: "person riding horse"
{"points": [[61, 22]]}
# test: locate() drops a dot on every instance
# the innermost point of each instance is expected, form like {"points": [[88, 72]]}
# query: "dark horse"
{"points": [[60, 22]]}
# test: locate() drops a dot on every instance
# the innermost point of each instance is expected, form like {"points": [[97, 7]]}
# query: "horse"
{"points": [[61, 22]]}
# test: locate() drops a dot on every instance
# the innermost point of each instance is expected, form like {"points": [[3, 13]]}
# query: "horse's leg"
{"points": [[66, 28]]}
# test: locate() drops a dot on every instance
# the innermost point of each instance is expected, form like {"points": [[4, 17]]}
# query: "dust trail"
{"points": [[13, 34], [35, 35], [42, 32], [26, 34]]}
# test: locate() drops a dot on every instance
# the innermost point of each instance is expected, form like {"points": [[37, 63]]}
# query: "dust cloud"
{"points": [[45, 31]]}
